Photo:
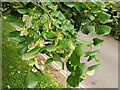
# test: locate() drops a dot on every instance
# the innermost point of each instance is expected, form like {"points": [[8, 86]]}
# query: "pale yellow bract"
{"points": [[83, 77]]}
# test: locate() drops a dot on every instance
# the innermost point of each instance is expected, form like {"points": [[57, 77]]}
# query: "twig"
{"points": [[39, 20], [47, 12], [36, 6]]}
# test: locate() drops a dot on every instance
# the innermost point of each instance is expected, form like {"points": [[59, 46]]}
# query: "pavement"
{"points": [[107, 75]]}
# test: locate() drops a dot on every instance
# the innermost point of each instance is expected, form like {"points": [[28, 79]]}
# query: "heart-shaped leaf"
{"points": [[15, 20], [103, 17], [73, 80], [22, 48], [81, 69], [28, 56], [31, 80], [103, 30], [15, 36], [31, 54], [80, 51], [74, 58], [97, 42], [88, 29], [22, 11]]}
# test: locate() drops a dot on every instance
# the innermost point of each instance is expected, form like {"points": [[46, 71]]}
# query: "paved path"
{"points": [[107, 75]]}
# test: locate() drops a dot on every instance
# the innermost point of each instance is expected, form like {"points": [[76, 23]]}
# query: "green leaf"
{"points": [[69, 4], [35, 33], [55, 24], [22, 48], [27, 1], [56, 57], [90, 53], [48, 61], [59, 15], [74, 58], [22, 11], [55, 13], [62, 65], [107, 21], [88, 29], [97, 42], [91, 17], [64, 7], [49, 35], [31, 80], [101, 5], [95, 10], [50, 48], [29, 40], [15, 20], [80, 51], [82, 42], [33, 51], [69, 67], [44, 34], [104, 18], [31, 12], [46, 16], [7, 11], [91, 57], [52, 6], [77, 6], [66, 22], [28, 56], [63, 44], [93, 67], [82, 69], [15, 36], [65, 27], [105, 10], [78, 73], [73, 80], [103, 30]]}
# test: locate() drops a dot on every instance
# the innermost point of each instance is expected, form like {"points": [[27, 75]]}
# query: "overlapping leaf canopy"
{"points": [[52, 28]]}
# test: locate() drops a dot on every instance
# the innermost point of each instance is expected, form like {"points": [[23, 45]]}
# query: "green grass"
{"points": [[14, 69]]}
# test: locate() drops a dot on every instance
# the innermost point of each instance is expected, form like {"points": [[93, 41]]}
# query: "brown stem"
{"points": [[36, 6], [47, 11]]}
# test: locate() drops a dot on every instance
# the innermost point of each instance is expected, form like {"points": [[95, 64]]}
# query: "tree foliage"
{"points": [[52, 28]]}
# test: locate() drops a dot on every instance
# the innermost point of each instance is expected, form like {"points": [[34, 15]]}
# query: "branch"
{"points": [[36, 6], [47, 11]]}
